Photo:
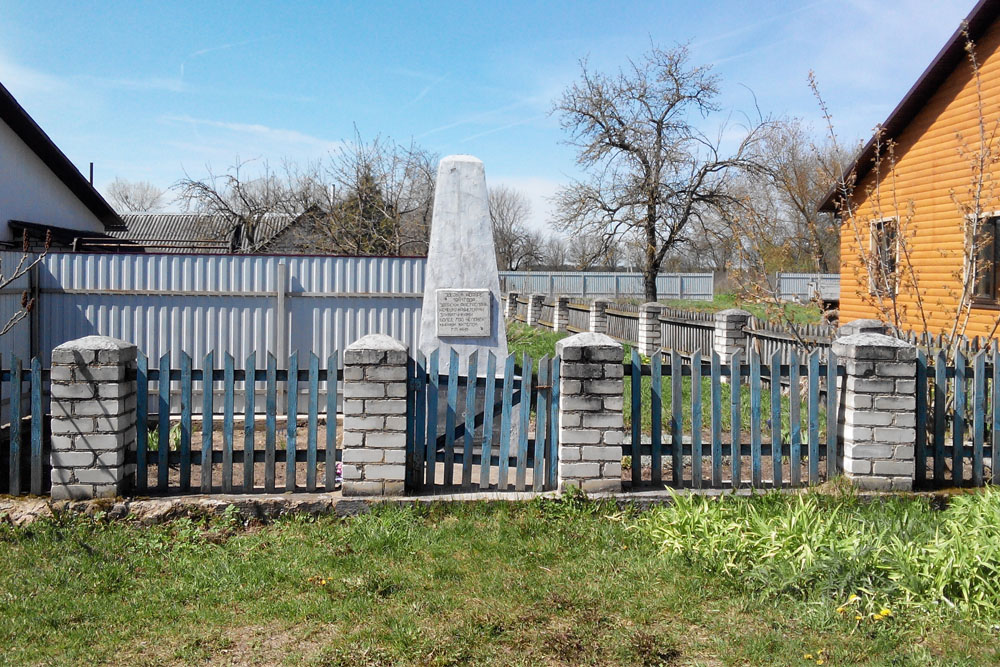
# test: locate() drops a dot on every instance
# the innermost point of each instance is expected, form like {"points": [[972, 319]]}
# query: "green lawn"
{"points": [[560, 582]]}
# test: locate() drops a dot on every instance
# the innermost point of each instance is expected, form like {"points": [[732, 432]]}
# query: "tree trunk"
{"points": [[652, 267]]}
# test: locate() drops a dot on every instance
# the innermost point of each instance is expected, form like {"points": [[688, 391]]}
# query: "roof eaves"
{"points": [[31, 134], [979, 20]]}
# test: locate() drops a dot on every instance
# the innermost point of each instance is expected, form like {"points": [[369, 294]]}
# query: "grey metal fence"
{"points": [[697, 286], [231, 304], [17, 341], [807, 286]]}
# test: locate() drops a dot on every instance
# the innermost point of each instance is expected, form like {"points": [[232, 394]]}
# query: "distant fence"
{"points": [[808, 286], [687, 331], [696, 286]]}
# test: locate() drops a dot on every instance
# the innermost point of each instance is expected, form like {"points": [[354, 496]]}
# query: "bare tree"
{"points": [[369, 198], [243, 199], [26, 262], [555, 253], [651, 171], [800, 175], [517, 247], [134, 196]]}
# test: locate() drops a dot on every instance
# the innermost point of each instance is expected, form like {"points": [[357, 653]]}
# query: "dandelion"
{"points": [[885, 612]]}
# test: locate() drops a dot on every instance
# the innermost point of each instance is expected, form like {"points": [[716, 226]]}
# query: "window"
{"points": [[884, 251], [987, 262]]}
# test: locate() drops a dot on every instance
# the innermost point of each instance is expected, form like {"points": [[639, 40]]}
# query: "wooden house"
{"points": [[920, 206]]}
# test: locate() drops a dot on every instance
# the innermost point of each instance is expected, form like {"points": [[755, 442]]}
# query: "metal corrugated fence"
{"points": [[229, 304], [805, 286], [18, 340], [698, 286]]}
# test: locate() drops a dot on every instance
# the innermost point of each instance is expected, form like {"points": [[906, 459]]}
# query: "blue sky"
{"points": [[149, 90]]}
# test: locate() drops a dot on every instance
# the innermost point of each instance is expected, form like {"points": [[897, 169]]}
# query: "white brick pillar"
{"points": [[374, 417], [598, 316], [535, 302], [591, 427], [560, 314], [879, 422], [511, 309], [93, 418], [729, 336], [649, 328]]}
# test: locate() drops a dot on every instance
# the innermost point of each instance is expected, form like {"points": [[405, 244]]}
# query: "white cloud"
{"points": [[263, 136]]}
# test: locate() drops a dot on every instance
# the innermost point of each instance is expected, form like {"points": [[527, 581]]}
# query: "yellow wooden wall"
{"points": [[929, 176]]}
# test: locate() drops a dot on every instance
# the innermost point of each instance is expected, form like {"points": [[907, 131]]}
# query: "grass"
{"points": [[872, 561], [559, 582]]}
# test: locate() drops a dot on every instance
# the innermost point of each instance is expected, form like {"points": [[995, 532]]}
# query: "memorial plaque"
{"points": [[464, 312]]}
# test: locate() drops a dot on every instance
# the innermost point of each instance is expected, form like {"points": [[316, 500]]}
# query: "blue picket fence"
{"points": [[168, 459], [958, 419], [692, 398], [24, 434], [484, 431]]}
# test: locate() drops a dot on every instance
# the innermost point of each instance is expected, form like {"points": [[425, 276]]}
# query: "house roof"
{"points": [[14, 115], [192, 232], [979, 20]]}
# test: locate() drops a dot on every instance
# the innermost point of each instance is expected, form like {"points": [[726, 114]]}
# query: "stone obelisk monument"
{"points": [[461, 309]]}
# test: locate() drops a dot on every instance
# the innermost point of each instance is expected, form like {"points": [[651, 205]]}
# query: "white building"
{"points": [[40, 189]]}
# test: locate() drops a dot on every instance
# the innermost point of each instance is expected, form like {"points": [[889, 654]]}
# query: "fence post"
{"points": [[598, 316], [560, 314], [93, 417], [375, 417], [879, 423], [281, 337], [591, 427], [511, 305], [534, 309], [729, 336], [649, 328]]}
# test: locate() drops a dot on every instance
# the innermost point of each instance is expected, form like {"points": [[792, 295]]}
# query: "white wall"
{"points": [[29, 191]]}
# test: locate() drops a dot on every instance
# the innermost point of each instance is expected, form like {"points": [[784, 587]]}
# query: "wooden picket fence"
{"points": [[702, 455], [623, 322], [24, 437], [484, 441], [577, 317], [957, 419], [177, 464]]}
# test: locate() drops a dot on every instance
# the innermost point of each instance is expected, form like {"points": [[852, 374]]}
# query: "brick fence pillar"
{"points": [[598, 316], [729, 336], [535, 302], [93, 418], [878, 424], [511, 309], [649, 328], [374, 417], [591, 428], [560, 314]]}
